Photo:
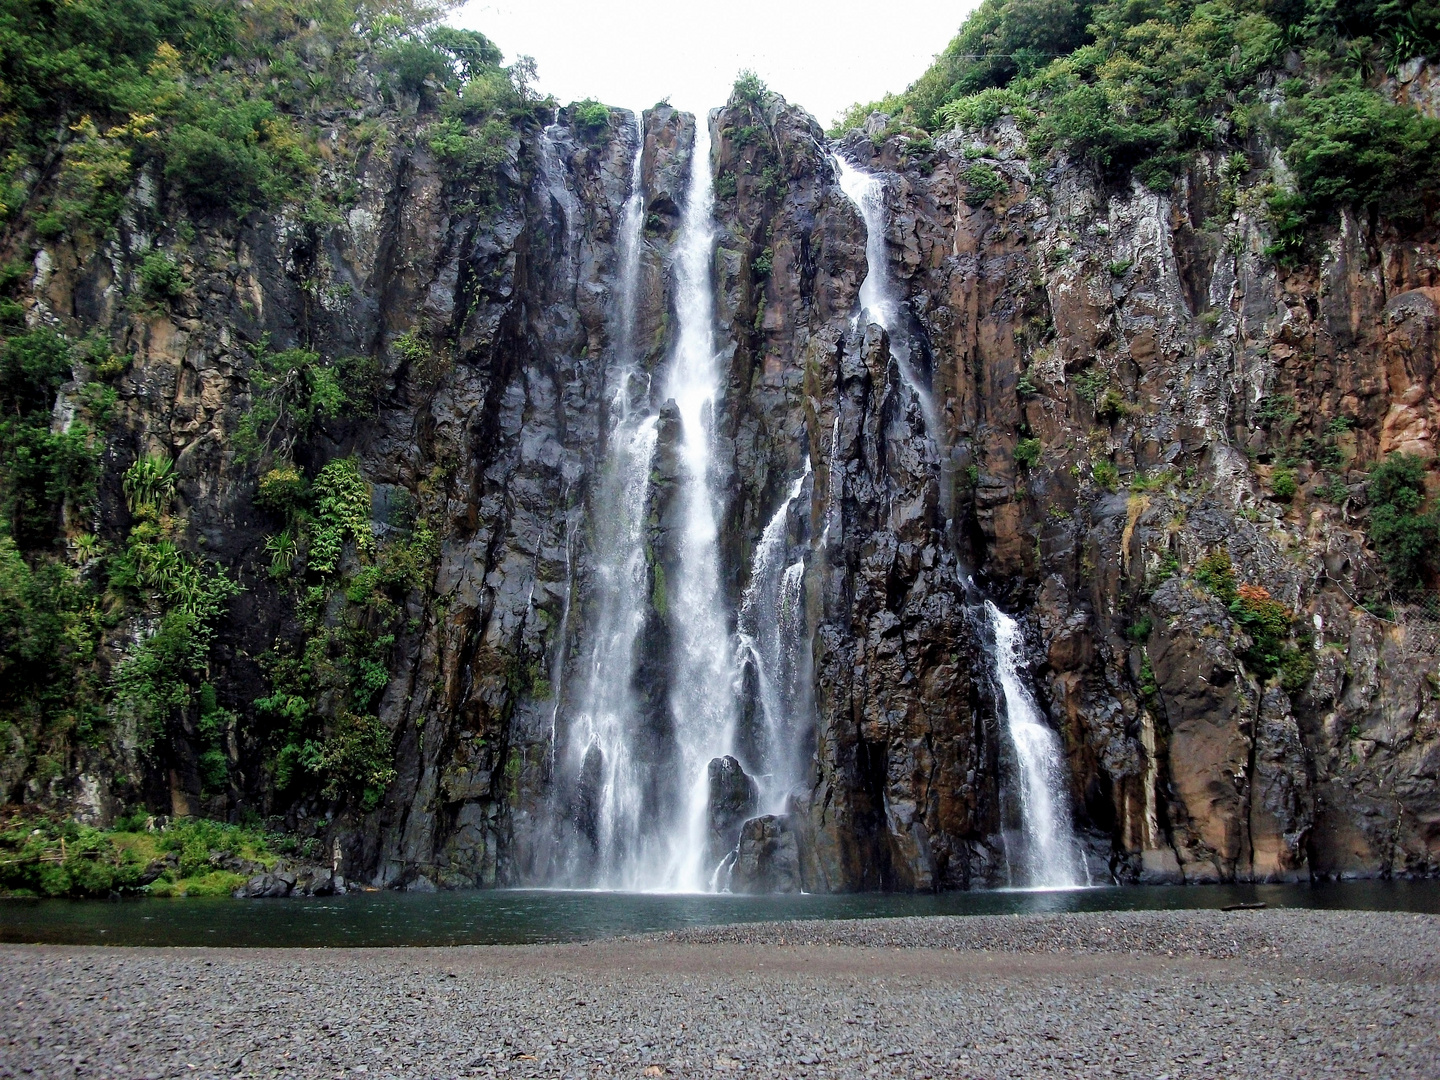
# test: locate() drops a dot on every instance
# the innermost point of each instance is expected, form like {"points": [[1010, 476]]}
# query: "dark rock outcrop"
{"points": [[767, 859], [732, 800]]}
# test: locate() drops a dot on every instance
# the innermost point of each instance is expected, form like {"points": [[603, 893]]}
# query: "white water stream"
{"points": [[879, 302], [773, 633], [602, 728], [702, 684], [1051, 856]]}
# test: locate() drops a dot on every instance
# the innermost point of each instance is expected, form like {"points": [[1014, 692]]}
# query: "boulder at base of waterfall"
{"points": [[768, 857], [733, 798]]}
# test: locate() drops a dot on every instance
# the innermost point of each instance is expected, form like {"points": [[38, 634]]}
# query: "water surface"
{"points": [[517, 916]]}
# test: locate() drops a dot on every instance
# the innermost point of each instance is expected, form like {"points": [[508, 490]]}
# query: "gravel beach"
{"points": [[1133, 994]]}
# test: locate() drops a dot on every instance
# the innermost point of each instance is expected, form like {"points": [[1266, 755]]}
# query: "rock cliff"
{"points": [[1137, 417]]}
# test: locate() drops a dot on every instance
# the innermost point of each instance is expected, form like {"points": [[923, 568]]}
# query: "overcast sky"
{"points": [[823, 56]]}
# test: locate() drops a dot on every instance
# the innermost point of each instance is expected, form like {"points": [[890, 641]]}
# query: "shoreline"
{"points": [[1149, 993]]}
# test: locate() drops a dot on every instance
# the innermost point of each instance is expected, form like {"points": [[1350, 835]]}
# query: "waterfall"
{"points": [[702, 691], [553, 172], [611, 777], [773, 635], [1051, 855], [879, 301]]}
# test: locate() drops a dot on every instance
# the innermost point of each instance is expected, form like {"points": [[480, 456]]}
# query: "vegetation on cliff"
{"points": [[1138, 87], [200, 114]]}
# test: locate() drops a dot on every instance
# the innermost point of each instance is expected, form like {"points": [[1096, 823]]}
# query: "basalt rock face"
{"points": [[1143, 339]]}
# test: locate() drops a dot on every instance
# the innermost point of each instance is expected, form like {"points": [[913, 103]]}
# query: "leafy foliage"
{"points": [[216, 95], [149, 485], [983, 183], [41, 469], [43, 857], [1403, 530], [1268, 622], [1027, 453], [342, 512], [294, 392], [1136, 87], [749, 87], [590, 116]]}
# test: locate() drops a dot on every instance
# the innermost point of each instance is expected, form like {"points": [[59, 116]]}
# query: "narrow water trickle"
{"points": [[773, 634], [879, 301], [1051, 856], [552, 172], [702, 685]]}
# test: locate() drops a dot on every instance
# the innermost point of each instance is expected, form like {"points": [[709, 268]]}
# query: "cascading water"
{"points": [[552, 171], [1051, 855], [601, 733], [702, 690], [772, 633], [878, 300]]}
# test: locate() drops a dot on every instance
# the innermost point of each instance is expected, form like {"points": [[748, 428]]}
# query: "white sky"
{"points": [[632, 53]]}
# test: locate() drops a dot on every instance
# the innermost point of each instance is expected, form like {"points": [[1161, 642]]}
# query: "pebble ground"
{"points": [[1160, 995]]}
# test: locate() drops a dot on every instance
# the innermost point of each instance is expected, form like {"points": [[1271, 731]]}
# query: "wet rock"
{"points": [[767, 859], [733, 797], [266, 886]]}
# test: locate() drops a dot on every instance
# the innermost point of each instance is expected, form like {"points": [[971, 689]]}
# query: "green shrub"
{"points": [[1348, 146], [1297, 667], [50, 630], [1403, 531], [471, 53], [983, 183], [980, 110], [1106, 474], [1090, 384], [1267, 621], [1282, 483], [214, 172], [1027, 453], [356, 757], [342, 512], [1276, 409], [749, 88], [1111, 406], [590, 116], [282, 491], [1217, 574], [160, 279], [409, 64], [1137, 89], [293, 391], [149, 485], [1139, 630], [472, 154], [41, 469]]}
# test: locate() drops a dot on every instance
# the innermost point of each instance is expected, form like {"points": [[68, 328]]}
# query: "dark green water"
{"points": [[521, 916]]}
